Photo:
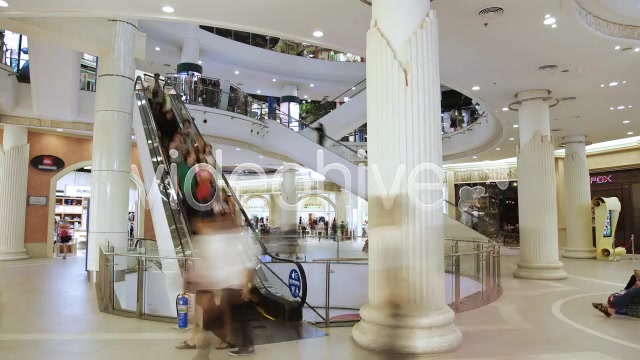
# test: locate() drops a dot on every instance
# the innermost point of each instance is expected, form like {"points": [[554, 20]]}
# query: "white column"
{"points": [[539, 253], [110, 173], [14, 168], [289, 197], [406, 312], [191, 45], [577, 200]]}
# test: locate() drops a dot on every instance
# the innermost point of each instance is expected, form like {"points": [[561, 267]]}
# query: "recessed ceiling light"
{"points": [[475, 88], [261, 157], [498, 149], [636, 49], [624, 82], [157, 48], [312, 85], [512, 139], [306, 96], [620, 107], [167, 9], [59, 129], [630, 106], [626, 122], [630, 133], [318, 33], [475, 157], [258, 91], [237, 164], [237, 149], [516, 125], [610, 108], [199, 61], [353, 88], [549, 21], [236, 72], [547, 16], [505, 109], [3, 4], [602, 85], [554, 26], [613, 83], [617, 47]]}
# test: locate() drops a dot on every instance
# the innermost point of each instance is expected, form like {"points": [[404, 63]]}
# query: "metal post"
{"points": [[327, 293], [486, 280], [476, 260], [499, 274], [140, 288], [457, 281]]}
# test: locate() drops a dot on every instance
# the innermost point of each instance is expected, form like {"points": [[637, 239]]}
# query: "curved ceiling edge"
{"points": [[603, 26]]}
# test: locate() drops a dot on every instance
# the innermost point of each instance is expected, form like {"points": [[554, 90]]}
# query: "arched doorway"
{"points": [[136, 191], [258, 210], [314, 208]]}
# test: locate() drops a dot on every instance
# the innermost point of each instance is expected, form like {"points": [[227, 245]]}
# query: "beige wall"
{"points": [[622, 159], [71, 150]]}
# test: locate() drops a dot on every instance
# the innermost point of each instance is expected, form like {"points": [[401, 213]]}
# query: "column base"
{"points": [[586, 253], [13, 254], [541, 271], [407, 331]]}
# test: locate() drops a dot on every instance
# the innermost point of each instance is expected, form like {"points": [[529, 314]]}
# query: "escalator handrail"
{"points": [[478, 218], [166, 173], [326, 104], [303, 296]]}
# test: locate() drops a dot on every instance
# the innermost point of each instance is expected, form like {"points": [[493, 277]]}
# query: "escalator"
{"points": [[273, 297]]}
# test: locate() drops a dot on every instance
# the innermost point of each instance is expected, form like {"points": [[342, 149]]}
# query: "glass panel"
{"points": [[160, 275], [242, 36], [125, 281], [224, 33]]}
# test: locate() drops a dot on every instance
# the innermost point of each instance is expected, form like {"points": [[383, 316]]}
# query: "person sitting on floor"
{"points": [[625, 302]]}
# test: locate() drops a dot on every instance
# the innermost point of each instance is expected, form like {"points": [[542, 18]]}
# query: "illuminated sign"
{"points": [[601, 179]]}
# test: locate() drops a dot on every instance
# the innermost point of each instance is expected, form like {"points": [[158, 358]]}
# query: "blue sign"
{"points": [[294, 283]]}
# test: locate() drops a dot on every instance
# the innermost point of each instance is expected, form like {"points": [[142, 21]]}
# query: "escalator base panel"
{"points": [[272, 331]]}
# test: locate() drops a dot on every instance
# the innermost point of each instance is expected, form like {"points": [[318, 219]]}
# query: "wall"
{"points": [[628, 158], [72, 150]]}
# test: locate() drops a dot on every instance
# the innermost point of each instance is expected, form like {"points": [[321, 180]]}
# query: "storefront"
{"points": [[257, 208], [625, 185], [315, 209]]}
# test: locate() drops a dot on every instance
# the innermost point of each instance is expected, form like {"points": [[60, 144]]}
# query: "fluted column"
{"points": [[577, 200], [14, 168], [289, 196], [191, 44], [110, 173], [539, 253], [406, 312]]}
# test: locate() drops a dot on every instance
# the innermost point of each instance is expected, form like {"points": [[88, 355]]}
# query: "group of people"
{"points": [[223, 273], [625, 302]]}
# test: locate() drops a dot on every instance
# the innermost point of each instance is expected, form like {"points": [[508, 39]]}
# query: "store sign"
{"points": [[77, 191], [47, 163], [37, 200], [601, 179], [314, 204]]}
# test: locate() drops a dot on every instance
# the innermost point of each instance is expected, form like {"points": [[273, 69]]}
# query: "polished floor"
{"points": [[48, 311]]}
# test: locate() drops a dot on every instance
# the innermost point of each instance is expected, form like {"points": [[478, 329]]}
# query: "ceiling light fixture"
{"points": [[624, 82], [505, 109], [157, 48], [498, 149], [236, 72], [630, 133], [199, 61], [617, 47], [602, 85], [258, 91], [261, 157], [511, 139], [318, 33], [610, 108], [549, 21], [353, 88], [547, 16], [620, 107], [516, 125], [306, 96], [630, 106], [167, 9], [59, 129], [626, 122], [273, 80], [475, 157], [3, 4], [312, 85], [554, 26], [237, 149], [613, 83], [636, 49], [475, 88]]}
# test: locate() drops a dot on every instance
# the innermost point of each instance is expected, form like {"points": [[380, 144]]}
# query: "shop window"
{"points": [[88, 72], [15, 48]]}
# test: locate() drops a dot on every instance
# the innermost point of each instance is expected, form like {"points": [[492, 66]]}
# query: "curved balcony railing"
{"points": [[283, 46]]}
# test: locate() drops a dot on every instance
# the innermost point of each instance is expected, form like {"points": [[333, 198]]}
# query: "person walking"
{"points": [[321, 134]]}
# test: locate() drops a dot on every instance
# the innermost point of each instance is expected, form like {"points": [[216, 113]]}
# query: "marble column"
{"points": [[539, 253], [14, 167], [110, 174], [577, 200], [289, 198], [406, 311], [191, 45]]}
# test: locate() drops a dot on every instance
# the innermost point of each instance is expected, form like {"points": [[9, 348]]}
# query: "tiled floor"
{"points": [[48, 311]]}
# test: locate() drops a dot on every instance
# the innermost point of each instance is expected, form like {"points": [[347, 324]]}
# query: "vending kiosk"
{"points": [[606, 212]]}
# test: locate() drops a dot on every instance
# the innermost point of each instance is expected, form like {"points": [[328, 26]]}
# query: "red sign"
{"points": [[601, 179], [47, 163]]}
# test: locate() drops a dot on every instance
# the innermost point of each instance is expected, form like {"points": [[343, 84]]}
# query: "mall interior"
{"points": [[493, 215]]}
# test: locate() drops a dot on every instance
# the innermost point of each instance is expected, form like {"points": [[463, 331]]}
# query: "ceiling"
{"points": [[617, 11], [500, 55]]}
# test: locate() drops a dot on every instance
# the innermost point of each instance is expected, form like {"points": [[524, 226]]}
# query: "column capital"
{"points": [[574, 139], [533, 95]]}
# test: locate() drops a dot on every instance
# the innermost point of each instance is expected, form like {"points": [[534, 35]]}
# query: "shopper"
{"points": [[624, 302], [321, 134]]}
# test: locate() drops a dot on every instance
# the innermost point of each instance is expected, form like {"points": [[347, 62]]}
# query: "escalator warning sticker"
{"points": [[294, 283]]}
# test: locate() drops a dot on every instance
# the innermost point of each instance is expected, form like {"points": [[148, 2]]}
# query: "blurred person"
{"points": [[321, 134], [226, 265], [624, 302]]}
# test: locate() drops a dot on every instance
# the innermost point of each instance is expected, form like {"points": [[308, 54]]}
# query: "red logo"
{"points": [[601, 179], [47, 160]]}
